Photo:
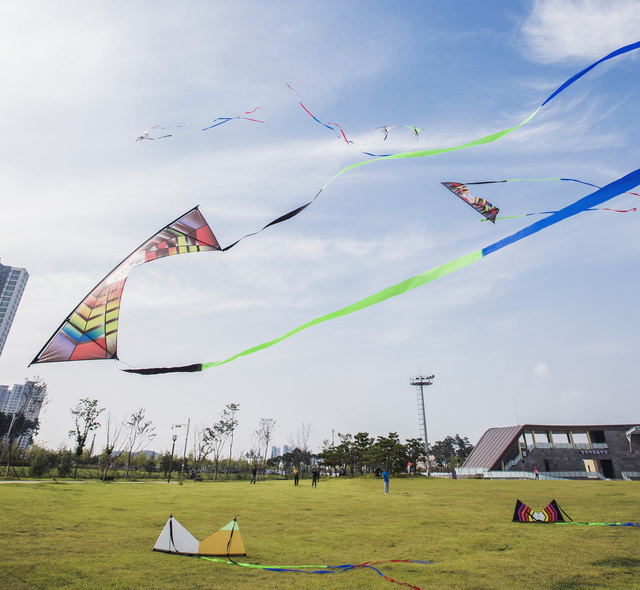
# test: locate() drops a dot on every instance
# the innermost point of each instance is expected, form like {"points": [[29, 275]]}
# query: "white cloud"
{"points": [[541, 370], [560, 30]]}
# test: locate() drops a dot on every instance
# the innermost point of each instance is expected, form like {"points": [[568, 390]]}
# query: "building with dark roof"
{"points": [[610, 451]]}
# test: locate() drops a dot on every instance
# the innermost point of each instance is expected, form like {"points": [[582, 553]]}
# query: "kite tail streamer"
{"points": [[550, 212], [323, 569], [211, 124], [598, 197]]}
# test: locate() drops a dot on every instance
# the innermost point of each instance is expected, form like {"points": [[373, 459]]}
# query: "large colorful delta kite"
{"points": [[90, 331], [552, 513], [227, 543]]}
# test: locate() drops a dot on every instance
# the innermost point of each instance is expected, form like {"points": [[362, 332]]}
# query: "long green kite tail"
{"points": [[602, 195]]}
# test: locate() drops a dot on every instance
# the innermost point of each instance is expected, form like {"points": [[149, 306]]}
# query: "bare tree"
{"points": [[85, 415], [200, 447], [300, 439], [115, 432], [264, 434], [139, 433]]}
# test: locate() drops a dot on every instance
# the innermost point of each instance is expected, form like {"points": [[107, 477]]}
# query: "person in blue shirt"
{"points": [[385, 476]]}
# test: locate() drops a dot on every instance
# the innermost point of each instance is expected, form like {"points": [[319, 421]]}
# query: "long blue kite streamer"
{"points": [[600, 196], [436, 151]]}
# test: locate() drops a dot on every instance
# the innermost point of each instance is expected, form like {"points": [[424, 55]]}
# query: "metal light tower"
{"points": [[422, 382]]}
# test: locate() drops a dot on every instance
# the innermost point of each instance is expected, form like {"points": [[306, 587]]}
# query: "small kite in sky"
{"points": [[550, 212], [90, 331], [483, 207], [386, 128], [206, 125]]}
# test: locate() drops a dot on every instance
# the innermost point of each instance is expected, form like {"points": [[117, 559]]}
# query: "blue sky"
{"points": [[546, 329]]}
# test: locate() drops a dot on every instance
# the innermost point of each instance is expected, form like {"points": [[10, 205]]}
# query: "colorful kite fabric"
{"points": [[549, 514], [553, 513], [206, 125], [596, 198], [326, 569], [486, 209], [91, 330]]}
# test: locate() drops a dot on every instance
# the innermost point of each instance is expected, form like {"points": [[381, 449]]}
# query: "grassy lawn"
{"points": [[95, 535]]}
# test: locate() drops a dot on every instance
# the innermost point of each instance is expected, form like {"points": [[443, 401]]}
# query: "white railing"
{"points": [[630, 475]]}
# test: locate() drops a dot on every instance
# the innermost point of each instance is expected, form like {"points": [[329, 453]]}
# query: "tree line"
{"points": [[210, 449]]}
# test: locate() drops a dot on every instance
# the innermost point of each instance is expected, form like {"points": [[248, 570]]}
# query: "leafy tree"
{"points": [[165, 463], [42, 461], [85, 416], [230, 422], [360, 451], [415, 450], [21, 425], [451, 451], [388, 451], [65, 461], [150, 465]]}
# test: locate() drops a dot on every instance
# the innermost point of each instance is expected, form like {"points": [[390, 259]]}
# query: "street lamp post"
{"points": [[184, 454], [175, 438]]}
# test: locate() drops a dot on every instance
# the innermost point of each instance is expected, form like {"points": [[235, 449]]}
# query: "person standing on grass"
{"points": [[296, 476], [254, 474], [315, 477], [385, 476]]}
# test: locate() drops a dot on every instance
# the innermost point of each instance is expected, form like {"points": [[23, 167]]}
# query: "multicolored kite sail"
{"points": [[206, 125], [553, 513], [486, 209], [91, 330], [596, 198]]}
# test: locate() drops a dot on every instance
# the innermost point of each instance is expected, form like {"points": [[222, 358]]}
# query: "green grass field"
{"points": [[94, 535]]}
